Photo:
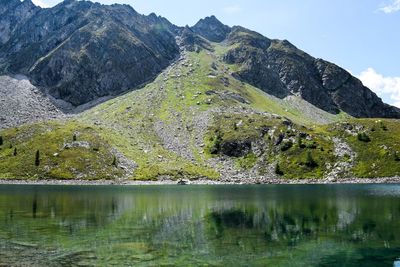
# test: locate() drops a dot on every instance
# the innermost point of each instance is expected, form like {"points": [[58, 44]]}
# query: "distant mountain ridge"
{"points": [[79, 51]]}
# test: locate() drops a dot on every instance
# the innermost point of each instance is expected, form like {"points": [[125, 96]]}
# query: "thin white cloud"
{"points": [[232, 9], [394, 6], [40, 3], [387, 88]]}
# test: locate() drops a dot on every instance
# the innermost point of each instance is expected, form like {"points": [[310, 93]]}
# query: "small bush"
{"points": [[37, 158], [278, 170], [383, 126], [300, 143], [311, 144], [363, 137], [216, 146], [247, 162], [114, 162], [15, 152], [397, 156], [310, 162], [286, 145]]}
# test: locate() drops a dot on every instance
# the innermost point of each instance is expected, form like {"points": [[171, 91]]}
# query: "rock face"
{"points": [[212, 29], [281, 69], [13, 14], [236, 148], [192, 41], [21, 103], [80, 51]]}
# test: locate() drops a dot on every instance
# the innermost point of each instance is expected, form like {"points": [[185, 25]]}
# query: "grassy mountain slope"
{"points": [[196, 120], [66, 150]]}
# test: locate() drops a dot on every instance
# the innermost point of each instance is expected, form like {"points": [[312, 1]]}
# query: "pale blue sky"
{"points": [[362, 36]]}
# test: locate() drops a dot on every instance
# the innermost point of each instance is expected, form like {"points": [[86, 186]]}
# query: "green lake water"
{"points": [[278, 225]]}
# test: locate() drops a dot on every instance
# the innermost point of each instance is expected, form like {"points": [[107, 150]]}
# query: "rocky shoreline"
{"points": [[382, 180]]}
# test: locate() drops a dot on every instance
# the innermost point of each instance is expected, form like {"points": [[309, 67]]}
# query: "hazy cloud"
{"points": [[394, 6], [232, 9], [387, 88]]}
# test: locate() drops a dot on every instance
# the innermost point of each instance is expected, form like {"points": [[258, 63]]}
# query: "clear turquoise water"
{"points": [[282, 225]]}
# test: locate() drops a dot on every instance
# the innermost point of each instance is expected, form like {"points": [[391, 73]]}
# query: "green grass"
{"points": [[376, 158], [128, 122], [247, 162], [175, 99], [56, 161], [294, 162], [291, 159]]}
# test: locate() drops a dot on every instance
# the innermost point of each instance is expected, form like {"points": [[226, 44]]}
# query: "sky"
{"points": [[362, 36]]}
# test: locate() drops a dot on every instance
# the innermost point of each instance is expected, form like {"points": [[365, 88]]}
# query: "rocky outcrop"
{"points": [[80, 51], [236, 148], [192, 41], [211, 29], [252, 57]]}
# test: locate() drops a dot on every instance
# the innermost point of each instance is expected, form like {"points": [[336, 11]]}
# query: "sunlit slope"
{"points": [[195, 120], [163, 126], [57, 150]]}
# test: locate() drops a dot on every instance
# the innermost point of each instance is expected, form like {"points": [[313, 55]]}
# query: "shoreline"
{"points": [[381, 180]]}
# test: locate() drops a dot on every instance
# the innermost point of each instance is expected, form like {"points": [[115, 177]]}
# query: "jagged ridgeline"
{"points": [[103, 92]]}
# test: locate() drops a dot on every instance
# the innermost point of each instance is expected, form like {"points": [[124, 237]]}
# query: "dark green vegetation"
{"points": [[37, 158], [200, 226], [363, 137]]}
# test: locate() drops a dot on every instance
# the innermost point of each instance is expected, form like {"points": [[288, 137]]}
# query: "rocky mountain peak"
{"points": [[192, 41], [245, 36], [28, 3], [212, 29]]}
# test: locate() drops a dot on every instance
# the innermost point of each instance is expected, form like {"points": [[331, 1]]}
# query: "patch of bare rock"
{"points": [[21, 103]]}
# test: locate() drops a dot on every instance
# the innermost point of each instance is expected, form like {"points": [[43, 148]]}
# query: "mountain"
{"points": [[211, 29], [108, 50], [281, 69], [106, 93], [78, 44]]}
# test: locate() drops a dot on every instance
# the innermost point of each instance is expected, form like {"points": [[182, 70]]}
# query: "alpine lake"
{"points": [[207, 225]]}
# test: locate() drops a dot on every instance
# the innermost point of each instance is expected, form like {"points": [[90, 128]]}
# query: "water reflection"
{"points": [[203, 225]]}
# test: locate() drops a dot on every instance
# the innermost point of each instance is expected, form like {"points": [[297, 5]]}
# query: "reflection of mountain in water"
{"points": [[202, 225]]}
